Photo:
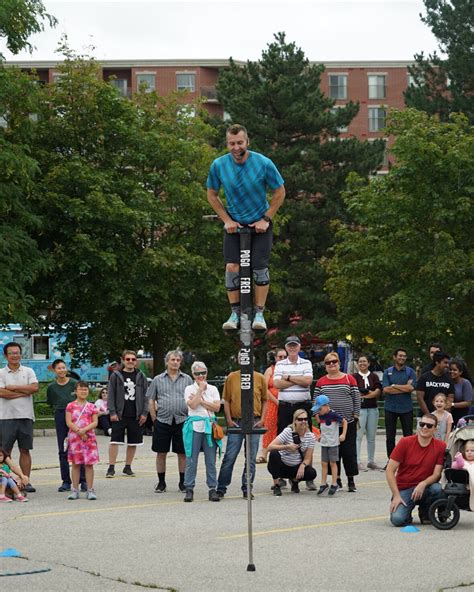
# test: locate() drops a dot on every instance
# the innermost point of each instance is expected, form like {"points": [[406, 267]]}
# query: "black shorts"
{"points": [[261, 248], [133, 429], [165, 434], [16, 430]]}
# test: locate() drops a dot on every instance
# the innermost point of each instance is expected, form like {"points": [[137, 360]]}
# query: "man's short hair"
{"points": [[57, 362], [173, 352], [235, 129], [436, 344], [439, 356], [11, 344], [399, 349], [431, 416], [128, 351]]}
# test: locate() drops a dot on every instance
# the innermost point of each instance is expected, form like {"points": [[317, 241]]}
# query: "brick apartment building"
{"points": [[375, 85]]}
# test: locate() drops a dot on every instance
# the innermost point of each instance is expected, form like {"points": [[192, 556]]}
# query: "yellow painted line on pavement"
{"points": [[302, 527]]}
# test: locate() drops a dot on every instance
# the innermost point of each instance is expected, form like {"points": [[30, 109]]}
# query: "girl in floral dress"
{"points": [[81, 419]]}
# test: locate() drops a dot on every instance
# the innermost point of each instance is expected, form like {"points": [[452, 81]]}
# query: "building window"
{"points": [[146, 80], [377, 117], [186, 81], [40, 347], [57, 77], [121, 85], [341, 129], [377, 86], [338, 86]]}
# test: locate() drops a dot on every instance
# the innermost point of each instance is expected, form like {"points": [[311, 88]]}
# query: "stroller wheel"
{"points": [[441, 517]]}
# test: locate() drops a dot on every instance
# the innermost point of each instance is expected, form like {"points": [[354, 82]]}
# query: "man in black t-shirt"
{"points": [[128, 407], [434, 382]]}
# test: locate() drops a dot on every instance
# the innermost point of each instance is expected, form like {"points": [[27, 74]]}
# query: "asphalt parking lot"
{"points": [[132, 538]]}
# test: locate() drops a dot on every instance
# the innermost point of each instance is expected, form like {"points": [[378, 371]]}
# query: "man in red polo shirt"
{"points": [[413, 472]]}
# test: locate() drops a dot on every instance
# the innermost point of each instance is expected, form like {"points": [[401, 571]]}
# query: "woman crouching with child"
{"points": [[291, 453]]}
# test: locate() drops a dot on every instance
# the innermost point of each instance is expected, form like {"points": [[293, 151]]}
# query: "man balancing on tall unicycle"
{"points": [[245, 176]]}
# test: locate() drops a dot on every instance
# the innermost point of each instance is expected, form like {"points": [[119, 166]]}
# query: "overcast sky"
{"points": [[326, 30]]}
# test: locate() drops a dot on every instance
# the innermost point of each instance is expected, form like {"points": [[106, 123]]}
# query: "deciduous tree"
{"points": [[403, 271]]}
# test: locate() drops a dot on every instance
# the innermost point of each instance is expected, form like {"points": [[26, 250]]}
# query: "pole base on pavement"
{"points": [[251, 567]]}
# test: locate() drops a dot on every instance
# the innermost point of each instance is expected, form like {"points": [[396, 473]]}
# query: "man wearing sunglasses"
{"points": [[128, 407], [413, 473]]}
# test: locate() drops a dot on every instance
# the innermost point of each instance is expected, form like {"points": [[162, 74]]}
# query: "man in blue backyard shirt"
{"points": [[399, 381], [245, 177]]}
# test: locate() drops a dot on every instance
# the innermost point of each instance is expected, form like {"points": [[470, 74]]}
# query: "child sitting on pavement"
{"points": [[6, 479], [329, 423]]}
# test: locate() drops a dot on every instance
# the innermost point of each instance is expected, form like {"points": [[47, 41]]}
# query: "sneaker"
{"points": [[213, 496], [110, 473], [283, 483], [339, 482], [277, 490], [333, 489], [245, 495], [322, 489], [181, 487], [74, 495], [160, 487], [64, 486], [189, 495], [127, 470], [5, 499], [30, 489], [374, 466], [84, 486], [220, 493], [21, 498], [310, 486], [259, 323], [295, 488], [232, 323], [351, 487], [91, 495], [363, 467]]}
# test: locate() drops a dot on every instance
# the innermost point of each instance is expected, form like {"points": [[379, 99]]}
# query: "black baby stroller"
{"points": [[444, 513]]}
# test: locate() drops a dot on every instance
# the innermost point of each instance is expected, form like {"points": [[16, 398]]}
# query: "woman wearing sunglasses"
{"points": [[344, 399], [291, 453], [203, 401]]}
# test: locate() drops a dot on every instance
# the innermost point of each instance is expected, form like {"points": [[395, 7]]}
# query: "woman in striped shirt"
{"points": [[344, 399], [291, 453]]}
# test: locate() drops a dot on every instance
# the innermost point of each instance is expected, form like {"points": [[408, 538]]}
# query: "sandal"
{"points": [[261, 460]]}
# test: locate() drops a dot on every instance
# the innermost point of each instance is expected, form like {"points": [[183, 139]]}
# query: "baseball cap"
{"points": [[319, 402], [292, 339]]}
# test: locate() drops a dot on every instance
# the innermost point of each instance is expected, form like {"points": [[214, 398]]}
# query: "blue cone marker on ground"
{"points": [[10, 553], [410, 529]]}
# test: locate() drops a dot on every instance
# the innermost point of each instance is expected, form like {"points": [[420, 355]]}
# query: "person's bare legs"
{"points": [[130, 455], [75, 475], [89, 469], [161, 462], [181, 463], [25, 462], [261, 293], [113, 452]]}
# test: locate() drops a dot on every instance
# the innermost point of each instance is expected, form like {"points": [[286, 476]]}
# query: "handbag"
{"points": [[217, 431]]}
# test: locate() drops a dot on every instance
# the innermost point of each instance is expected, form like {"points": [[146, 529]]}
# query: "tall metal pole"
{"points": [[246, 370], [246, 367]]}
